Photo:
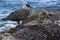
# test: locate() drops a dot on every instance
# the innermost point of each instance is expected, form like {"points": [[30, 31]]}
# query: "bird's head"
{"points": [[26, 6]]}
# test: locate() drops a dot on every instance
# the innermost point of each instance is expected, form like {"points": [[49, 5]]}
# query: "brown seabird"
{"points": [[19, 15]]}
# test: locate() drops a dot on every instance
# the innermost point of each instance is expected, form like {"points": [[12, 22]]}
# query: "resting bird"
{"points": [[19, 15]]}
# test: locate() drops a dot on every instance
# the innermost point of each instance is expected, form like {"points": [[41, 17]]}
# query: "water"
{"points": [[8, 6]]}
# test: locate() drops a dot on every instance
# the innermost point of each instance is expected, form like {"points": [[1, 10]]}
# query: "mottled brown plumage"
{"points": [[18, 15]]}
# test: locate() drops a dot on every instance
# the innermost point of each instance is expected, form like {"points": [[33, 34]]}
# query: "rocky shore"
{"points": [[36, 27]]}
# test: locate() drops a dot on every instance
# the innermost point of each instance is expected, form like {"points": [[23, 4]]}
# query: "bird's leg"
{"points": [[18, 23]]}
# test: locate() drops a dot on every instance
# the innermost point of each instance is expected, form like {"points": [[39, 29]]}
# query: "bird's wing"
{"points": [[11, 13], [17, 13]]}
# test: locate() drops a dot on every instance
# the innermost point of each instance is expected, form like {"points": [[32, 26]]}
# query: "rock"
{"points": [[6, 36]]}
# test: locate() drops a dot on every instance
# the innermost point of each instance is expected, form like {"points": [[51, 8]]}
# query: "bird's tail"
{"points": [[4, 19]]}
